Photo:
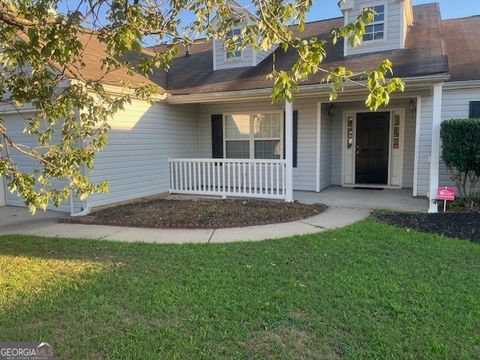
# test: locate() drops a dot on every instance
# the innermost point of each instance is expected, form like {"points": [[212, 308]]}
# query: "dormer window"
{"points": [[237, 53], [376, 29]]}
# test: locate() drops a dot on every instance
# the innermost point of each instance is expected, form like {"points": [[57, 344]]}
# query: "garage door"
{"points": [[15, 124]]}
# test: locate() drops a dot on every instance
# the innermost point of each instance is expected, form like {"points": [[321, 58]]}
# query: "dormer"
{"points": [[246, 57], [389, 28]]}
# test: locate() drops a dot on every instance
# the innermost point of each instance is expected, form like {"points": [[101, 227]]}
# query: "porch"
{"points": [[320, 150]]}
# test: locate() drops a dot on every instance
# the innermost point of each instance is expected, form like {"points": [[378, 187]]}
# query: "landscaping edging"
{"points": [[332, 218], [165, 213]]}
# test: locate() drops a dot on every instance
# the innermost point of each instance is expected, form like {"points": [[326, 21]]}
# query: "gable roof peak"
{"points": [[237, 9]]}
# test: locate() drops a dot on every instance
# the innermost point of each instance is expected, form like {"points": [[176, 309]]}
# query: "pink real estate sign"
{"points": [[446, 193]]}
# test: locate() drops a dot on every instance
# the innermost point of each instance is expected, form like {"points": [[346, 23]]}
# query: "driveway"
{"points": [[14, 219]]}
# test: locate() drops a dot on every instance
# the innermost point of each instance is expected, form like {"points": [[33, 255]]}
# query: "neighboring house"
{"points": [[216, 132]]}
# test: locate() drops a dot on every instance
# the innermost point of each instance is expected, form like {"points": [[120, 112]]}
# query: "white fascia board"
{"points": [[469, 84], [119, 90], [412, 84]]}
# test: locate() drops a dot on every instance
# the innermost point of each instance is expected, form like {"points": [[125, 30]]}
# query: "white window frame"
{"points": [[225, 139], [251, 139], [226, 58], [384, 23]]}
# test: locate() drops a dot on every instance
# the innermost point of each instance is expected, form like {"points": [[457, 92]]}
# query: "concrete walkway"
{"points": [[15, 220]]}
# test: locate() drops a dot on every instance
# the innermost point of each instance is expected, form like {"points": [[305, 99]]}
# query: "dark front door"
{"points": [[371, 159]]}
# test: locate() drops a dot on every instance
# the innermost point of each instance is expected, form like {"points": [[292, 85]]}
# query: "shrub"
{"points": [[461, 154]]}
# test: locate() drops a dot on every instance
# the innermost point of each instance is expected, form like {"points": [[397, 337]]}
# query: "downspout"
{"points": [[86, 209], [84, 212]]}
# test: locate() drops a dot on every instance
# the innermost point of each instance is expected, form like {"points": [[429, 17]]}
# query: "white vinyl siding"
{"points": [[455, 105], [249, 57], [222, 62], [304, 175], [337, 133], [15, 124], [3, 192], [261, 55], [425, 146], [141, 140], [392, 26], [409, 148]]}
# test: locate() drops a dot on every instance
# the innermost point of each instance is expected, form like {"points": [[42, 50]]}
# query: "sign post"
{"points": [[446, 193]]}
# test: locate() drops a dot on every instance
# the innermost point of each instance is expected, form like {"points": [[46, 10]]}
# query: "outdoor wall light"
{"points": [[412, 106], [331, 111]]}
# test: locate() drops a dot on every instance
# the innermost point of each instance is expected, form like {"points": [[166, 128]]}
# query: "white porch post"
{"points": [[2, 192], [289, 150], [435, 155], [319, 139]]}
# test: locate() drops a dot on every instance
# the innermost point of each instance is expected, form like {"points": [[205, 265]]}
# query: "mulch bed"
{"points": [[200, 213], [459, 225]]}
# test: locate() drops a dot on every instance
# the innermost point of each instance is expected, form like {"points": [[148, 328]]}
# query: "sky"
{"points": [[324, 9]]}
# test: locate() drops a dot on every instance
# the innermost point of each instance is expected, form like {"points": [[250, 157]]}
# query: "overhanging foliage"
{"points": [[41, 67]]}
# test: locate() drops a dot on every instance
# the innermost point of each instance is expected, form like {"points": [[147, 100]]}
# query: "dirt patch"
{"points": [[460, 225], [287, 343], [200, 213]]}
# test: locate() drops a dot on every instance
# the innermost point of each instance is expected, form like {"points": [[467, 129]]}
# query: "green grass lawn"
{"points": [[365, 291]]}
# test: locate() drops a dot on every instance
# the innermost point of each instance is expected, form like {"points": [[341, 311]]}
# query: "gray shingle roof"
{"points": [[424, 54], [462, 41]]}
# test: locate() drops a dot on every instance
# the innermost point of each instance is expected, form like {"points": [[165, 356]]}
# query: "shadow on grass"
{"points": [[363, 291]]}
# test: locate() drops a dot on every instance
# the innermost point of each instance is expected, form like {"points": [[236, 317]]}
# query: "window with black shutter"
{"points": [[217, 136], [251, 136], [475, 109]]}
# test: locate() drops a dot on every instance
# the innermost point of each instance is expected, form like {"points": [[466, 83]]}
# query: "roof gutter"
{"points": [[468, 84], [256, 94], [120, 90]]}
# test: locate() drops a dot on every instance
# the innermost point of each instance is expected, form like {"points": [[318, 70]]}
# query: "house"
{"points": [[216, 132]]}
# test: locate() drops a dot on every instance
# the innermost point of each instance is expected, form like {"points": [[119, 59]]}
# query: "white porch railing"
{"points": [[229, 177]]}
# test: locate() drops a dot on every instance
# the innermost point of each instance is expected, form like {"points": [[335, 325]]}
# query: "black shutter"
{"points": [[295, 136], [475, 109], [217, 136]]}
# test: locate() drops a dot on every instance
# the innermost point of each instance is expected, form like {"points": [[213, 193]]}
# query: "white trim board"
{"points": [[319, 146], [435, 152]]}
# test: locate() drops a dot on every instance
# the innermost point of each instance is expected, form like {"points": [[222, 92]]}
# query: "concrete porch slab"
{"points": [[389, 199]]}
